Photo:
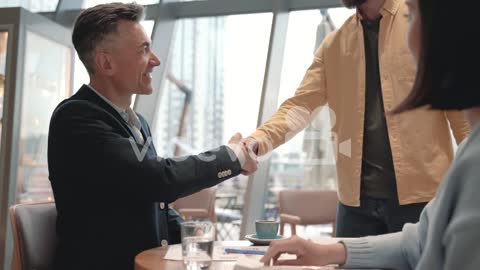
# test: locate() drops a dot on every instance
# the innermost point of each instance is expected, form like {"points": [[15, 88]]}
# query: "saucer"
{"points": [[257, 241]]}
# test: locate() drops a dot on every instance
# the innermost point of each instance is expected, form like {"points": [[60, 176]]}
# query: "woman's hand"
{"points": [[308, 253]]}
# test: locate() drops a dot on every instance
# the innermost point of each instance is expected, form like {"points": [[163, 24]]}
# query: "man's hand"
{"points": [[251, 144], [307, 252], [248, 159]]}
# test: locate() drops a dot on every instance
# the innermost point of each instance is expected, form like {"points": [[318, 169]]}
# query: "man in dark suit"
{"points": [[111, 193]]}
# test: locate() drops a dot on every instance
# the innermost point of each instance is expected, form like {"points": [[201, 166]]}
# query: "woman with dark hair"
{"points": [[442, 40]]}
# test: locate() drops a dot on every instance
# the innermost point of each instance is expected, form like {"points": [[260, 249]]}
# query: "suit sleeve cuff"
{"points": [[239, 153]]}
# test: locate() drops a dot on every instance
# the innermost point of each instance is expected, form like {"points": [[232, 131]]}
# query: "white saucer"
{"points": [[257, 241]]}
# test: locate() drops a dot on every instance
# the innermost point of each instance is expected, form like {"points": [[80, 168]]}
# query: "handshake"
{"points": [[246, 150]]}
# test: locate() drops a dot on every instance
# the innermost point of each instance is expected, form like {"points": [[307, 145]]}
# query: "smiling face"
{"points": [[414, 30], [131, 59]]}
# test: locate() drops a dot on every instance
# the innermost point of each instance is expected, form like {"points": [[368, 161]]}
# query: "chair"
{"points": [[34, 235], [307, 207], [197, 205]]}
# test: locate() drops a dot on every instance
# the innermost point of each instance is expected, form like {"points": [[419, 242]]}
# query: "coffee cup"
{"points": [[266, 229]]}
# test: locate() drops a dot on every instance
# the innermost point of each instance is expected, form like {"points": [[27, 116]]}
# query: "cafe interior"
{"points": [[226, 66]]}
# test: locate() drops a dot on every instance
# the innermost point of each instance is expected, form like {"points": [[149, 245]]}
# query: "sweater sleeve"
{"points": [[461, 237], [399, 250]]}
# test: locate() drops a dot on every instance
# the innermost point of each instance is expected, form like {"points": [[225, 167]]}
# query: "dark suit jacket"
{"points": [[106, 195]]}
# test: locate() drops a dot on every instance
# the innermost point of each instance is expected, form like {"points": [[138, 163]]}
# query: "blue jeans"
{"points": [[375, 216]]}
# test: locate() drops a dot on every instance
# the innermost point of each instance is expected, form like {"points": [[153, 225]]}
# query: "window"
{"points": [[340, 15], [3, 64], [43, 88], [307, 161], [148, 26], [32, 5], [80, 76], [221, 60]]}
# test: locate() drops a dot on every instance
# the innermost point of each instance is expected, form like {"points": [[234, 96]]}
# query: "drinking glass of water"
{"points": [[197, 244]]}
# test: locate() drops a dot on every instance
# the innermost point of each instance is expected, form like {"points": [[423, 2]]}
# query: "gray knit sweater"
{"points": [[448, 233]]}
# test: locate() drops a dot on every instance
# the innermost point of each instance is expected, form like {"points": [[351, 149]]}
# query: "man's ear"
{"points": [[104, 63]]}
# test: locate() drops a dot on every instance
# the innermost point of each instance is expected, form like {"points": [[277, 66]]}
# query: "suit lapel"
{"points": [[85, 93], [147, 135]]}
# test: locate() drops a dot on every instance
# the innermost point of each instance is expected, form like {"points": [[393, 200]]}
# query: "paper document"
{"points": [[174, 253], [252, 264]]}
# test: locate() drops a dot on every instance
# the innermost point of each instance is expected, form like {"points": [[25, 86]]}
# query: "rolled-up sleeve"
{"points": [[295, 113]]}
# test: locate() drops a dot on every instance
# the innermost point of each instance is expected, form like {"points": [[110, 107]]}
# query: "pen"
{"points": [[245, 251]]}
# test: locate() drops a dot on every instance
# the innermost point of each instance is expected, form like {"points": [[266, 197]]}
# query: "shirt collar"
{"points": [[128, 115], [390, 6], [117, 108]]}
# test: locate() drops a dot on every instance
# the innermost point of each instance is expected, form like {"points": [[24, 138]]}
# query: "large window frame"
{"points": [[17, 21]]}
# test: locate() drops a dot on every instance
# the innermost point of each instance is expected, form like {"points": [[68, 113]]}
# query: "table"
{"points": [[152, 259]]}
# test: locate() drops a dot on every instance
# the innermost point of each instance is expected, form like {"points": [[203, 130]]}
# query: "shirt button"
{"points": [[162, 205], [164, 243]]}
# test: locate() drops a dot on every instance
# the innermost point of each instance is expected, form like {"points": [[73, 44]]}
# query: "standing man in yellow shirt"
{"points": [[362, 70]]}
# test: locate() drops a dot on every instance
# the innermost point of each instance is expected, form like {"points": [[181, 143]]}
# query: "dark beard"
{"points": [[353, 3]]}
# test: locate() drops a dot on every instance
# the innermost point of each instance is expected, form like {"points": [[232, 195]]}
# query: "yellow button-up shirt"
{"points": [[420, 140]]}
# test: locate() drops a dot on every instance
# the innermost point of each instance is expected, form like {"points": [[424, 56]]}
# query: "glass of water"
{"points": [[197, 244]]}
